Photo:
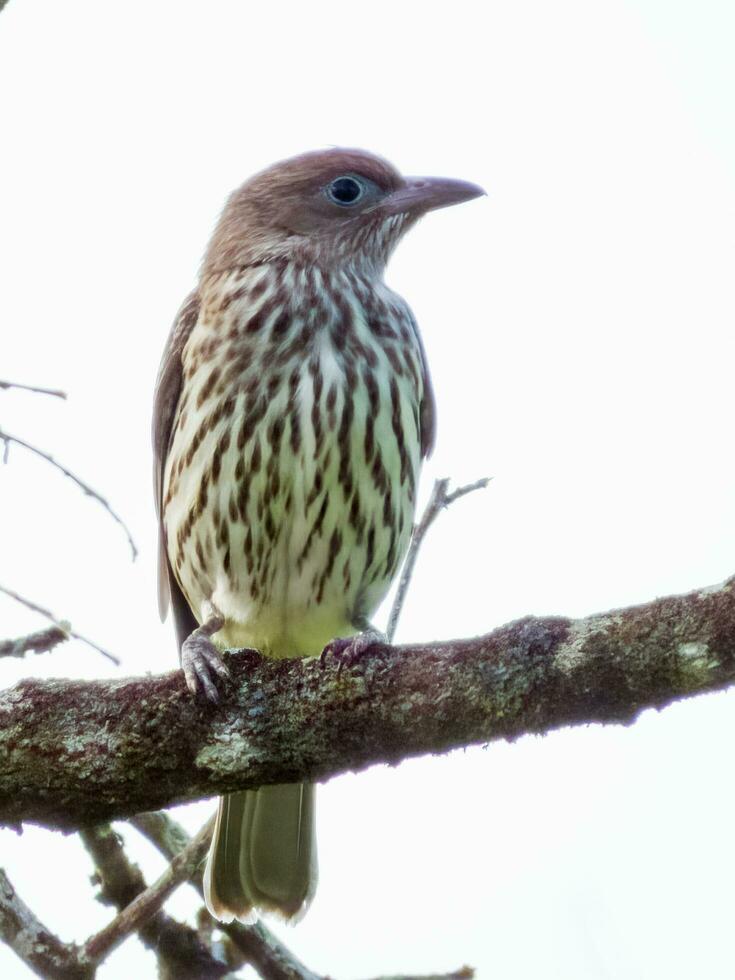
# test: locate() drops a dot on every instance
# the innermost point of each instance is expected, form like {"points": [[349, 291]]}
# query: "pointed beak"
{"points": [[418, 195]]}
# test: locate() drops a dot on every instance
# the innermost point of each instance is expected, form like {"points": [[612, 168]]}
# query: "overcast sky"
{"points": [[579, 325]]}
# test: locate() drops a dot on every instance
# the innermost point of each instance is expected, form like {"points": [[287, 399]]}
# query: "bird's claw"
{"points": [[347, 650], [203, 666]]}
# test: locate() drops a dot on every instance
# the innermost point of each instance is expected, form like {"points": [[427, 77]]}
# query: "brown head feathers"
{"points": [[336, 205]]}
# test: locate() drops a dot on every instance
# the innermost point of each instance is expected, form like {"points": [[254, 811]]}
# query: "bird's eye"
{"points": [[345, 191]]}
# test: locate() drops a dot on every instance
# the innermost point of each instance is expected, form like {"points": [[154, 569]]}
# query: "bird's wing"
{"points": [[427, 408], [165, 402], [427, 416]]}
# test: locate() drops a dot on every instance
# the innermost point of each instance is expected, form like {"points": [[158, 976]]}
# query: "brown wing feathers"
{"points": [[165, 404]]}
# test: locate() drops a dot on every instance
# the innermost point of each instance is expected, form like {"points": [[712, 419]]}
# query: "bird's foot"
{"points": [[347, 650], [202, 662]]}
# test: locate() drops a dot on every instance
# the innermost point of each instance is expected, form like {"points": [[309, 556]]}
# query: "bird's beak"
{"points": [[418, 195]]}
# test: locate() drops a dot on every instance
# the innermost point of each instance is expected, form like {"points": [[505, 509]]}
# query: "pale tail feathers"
{"points": [[224, 894], [263, 854]]}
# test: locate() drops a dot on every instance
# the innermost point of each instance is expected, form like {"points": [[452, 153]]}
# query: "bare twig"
{"points": [[39, 642], [59, 623], [31, 941], [257, 945], [56, 392], [150, 901], [437, 502], [7, 438], [181, 952]]}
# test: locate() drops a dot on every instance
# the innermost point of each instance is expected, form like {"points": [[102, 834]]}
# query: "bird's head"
{"points": [[327, 207]]}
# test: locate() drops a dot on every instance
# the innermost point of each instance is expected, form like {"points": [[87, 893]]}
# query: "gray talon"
{"points": [[202, 666], [348, 650]]}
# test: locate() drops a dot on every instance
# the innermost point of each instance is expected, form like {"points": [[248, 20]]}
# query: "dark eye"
{"points": [[345, 191]]}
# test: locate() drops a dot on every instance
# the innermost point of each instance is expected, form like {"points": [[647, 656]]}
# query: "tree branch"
{"points": [[180, 950], [76, 752], [255, 944], [60, 624], [438, 501], [39, 642], [7, 385], [32, 942]]}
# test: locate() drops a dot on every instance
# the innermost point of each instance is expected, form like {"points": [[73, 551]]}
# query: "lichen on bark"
{"points": [[73, 753]]}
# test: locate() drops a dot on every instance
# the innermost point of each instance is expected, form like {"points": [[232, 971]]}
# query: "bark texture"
{"points": [[75, 753], [40, 949]]}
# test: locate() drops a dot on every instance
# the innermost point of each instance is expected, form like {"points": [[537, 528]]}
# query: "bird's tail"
{"points": [[263, 854]]}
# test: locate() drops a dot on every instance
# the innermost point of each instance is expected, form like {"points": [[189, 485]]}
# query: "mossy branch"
{"points": [[74, 753]]}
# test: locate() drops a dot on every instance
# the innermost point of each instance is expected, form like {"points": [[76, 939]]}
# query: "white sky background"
{"points": [[579, 324]]}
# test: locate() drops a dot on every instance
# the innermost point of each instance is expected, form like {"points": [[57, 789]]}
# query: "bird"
{"points": [[292, 411]]}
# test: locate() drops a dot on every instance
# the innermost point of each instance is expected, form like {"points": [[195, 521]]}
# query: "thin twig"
{"points": [[437, 502], [181, 951], [462, 491], [256, 945], [60, 623], [39, 642], [145, 905], [56, 392], [7, 438]]}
